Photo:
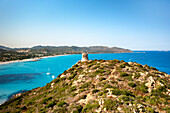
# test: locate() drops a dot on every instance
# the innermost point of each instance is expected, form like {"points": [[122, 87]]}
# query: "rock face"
{"points": [[85, 57], [103, 86]]}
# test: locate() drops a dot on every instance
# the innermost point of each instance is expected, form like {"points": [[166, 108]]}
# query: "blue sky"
{"points": [[132, 24]]}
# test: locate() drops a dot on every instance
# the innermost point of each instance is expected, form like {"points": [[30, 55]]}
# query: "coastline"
{"points": [[38, 58], [31, 59], [72, 54]]}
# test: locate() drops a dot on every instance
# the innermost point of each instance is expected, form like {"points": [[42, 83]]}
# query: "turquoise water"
{"points": [[19, 76]]}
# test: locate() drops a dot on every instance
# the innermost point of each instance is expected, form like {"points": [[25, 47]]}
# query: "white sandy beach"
{"points": [[31, 59]]}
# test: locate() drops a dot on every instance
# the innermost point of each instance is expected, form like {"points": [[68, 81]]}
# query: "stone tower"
{"points": [[84, 57]]}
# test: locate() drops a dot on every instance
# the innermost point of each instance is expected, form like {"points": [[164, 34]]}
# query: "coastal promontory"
{"points": [[98, 86]]}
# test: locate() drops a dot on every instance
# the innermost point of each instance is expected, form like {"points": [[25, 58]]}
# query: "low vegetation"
{"points": [[98, 86]]}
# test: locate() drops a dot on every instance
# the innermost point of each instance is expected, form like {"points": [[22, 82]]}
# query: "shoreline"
{"points": [[38, 58], [31, 59]]}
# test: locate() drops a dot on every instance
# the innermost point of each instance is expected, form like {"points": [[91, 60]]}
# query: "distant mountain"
{"points": [[9, 54], [40, 47], [91, 49], [76, 49], [5, 48]]}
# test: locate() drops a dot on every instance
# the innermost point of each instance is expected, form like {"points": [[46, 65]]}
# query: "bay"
{"points": [[19, 76]]}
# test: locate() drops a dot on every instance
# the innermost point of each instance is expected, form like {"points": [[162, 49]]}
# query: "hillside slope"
{"points": [[9, 54], [98, 86]]}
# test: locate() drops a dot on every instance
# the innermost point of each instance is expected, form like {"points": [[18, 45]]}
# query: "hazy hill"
{"points": [[5, 48], [98, 86], [76, 49], [8, 54]]}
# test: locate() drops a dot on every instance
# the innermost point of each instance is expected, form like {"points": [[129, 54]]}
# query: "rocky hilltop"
{"points": [[99, 86]]}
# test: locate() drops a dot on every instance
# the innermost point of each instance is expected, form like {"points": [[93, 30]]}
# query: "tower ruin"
{"points": [[84, 57]]}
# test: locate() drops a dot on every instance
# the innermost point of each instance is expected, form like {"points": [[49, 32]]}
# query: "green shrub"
{"points": [[95, 67], [72, 76], [48, 86], [95, 91], [51, 104], [142, 88], [56, 80], [122, 61], [82, 97], [150, 110], [65, 72], [60, 110], [160, 94], [152, 101], [76, 65], [108, 86], [61, 89], [137, 75], [99, 71], [124, 98], [102, 78], [111, 64], [127, 93], [117, 61], [113, 82], [24, 108], [71, 70], [89, 107], [124, 74], [129, 77], [122, 66], [139, 65], [114, 61], [105, 91], [85, 85], [109, 104], [74, 94], [44, 101], [76, 111], [90, 65], [116, 92], [31, 103], [131, 84], [73, 88], [81, 90], [153, 68], [101, 67], [101, 93], [79, 107], [63, 78], [61, 103], [161, 88]]}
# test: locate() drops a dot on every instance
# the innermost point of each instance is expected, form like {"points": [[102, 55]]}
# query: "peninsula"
{"points": [[98, 86]]}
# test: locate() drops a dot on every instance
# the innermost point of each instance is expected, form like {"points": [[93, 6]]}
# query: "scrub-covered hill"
{"points": [[98, 86], [10, 54]]}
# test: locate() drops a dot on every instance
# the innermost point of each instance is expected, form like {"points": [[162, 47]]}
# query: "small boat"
{"points": [[53, 76], [47, 73]]}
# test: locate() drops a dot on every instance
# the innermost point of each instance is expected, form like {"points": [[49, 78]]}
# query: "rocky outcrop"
{"points": [[150, 84]]}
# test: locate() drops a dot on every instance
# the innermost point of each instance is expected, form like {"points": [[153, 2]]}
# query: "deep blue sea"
{"points": [[19, 76]]}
